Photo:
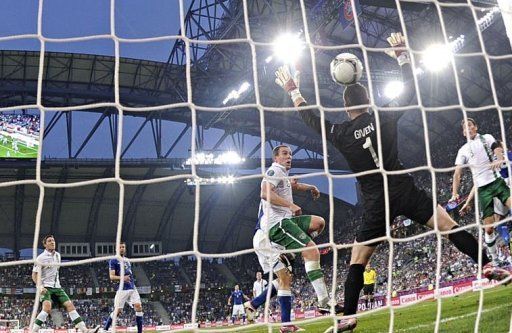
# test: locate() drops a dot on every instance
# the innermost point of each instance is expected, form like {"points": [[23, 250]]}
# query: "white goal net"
{"points": [[424, 258]]}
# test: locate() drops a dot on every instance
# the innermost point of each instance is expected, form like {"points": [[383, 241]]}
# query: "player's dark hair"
{"points": [[471, 120], [122, 242], [276, 149], [46, 237], [355, 94]]}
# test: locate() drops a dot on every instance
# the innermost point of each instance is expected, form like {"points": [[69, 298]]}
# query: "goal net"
{"points": [[465, 74]]}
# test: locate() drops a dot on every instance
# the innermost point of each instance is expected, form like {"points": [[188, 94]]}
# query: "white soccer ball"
{"points": [[346, 69]]}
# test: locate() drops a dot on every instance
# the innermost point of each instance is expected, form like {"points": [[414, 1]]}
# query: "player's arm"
{"points": [[291, 86], [268, 194], [245, 297], [467, 205], [457, 174], [117, 278], [402, 56], [302, 187], [229, 300], [499, 154], [35, 273], [460, 160]]}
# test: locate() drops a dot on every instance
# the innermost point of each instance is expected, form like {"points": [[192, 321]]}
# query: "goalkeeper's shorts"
{"points": [[404, 199]]}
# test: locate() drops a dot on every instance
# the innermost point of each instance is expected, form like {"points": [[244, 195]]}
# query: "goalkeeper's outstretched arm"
{"points": [[397, 40], [291, 86]]}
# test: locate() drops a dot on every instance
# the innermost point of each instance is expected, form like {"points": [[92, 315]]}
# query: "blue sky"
{"points": [[133, 19]]}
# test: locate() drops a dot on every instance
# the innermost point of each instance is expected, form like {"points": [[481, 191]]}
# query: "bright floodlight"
{"points": [[288, 48], [436, 57], [235, 94], [393, 89], [229, 157]]}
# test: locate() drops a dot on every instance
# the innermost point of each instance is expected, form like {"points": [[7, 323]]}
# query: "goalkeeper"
{"points": [[404, 197]]}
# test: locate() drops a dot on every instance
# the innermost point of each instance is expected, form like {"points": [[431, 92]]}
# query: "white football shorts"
{"points": [[126, 296], [268, 255]]}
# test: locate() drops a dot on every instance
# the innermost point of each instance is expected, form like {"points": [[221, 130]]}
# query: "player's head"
{"points": [[49, 242], [353, 95], [282, 155], [368, 267], [122, 248], [469, 127], [258, 275], [237, 287]]}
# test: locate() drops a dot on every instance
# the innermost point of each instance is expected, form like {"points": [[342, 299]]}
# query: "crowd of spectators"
{"points": [[27, 121]]}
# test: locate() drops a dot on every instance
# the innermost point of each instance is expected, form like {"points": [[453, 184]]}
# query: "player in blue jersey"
{"points": [[237, 298], [127, 293]]}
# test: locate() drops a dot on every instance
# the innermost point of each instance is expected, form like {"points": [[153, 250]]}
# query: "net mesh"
{"points": [[312, 47]]}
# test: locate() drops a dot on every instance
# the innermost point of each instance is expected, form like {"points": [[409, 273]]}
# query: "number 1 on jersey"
{"points": [[368, 145]]}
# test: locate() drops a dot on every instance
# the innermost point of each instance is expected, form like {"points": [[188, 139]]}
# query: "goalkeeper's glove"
{"points": [[289, 84], [396, 39]]}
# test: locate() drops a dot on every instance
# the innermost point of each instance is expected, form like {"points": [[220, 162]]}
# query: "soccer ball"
{"points": [[346, 69]]}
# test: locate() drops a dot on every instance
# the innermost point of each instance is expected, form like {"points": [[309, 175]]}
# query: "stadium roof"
{"points": [[81, 79]]}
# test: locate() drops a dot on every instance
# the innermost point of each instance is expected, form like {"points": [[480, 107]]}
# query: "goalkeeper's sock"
{"points": [[467, 244], [77, 321], [262, 298], [490, 241], [353, 286], [108, 323], [40, 319], [316, 277], [138, 319], [285, 301]]}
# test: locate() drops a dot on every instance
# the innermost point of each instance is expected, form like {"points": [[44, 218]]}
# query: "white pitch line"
{"points": [[446, 320]]}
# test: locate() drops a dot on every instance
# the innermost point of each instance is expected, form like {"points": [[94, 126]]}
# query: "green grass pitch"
{"points": [[24, 151], [458, 315]]}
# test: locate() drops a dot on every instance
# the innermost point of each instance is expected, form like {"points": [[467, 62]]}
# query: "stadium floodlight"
{"points": [[288, 48], [437, 57], [221, 180], [226, 158], [235, 94], [393, 89]]}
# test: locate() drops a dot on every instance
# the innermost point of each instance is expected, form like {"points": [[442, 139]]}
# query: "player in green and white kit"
{"points": [[50, 289], [485, 156], [287, 229]]}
